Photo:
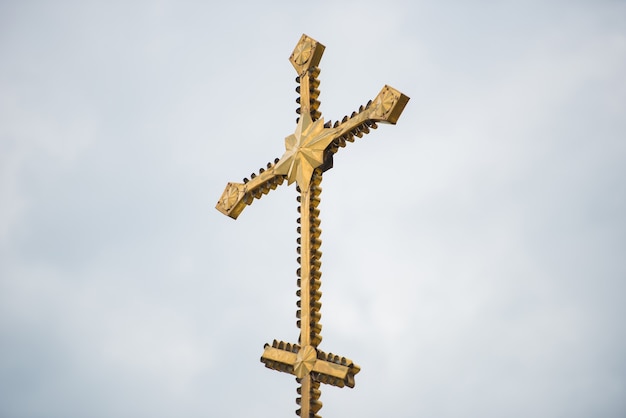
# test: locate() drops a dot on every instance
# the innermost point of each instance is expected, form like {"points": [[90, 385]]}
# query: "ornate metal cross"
{"points": [[309, 152]]}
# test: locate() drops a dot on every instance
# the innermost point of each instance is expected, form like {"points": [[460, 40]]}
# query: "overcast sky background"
{"points": [[474, 254]]}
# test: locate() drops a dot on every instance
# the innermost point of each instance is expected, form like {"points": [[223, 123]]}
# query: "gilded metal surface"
{"points": [[308, 153]]}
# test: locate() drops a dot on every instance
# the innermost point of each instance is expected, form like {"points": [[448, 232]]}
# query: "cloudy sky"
{"points": [[474, 254]]}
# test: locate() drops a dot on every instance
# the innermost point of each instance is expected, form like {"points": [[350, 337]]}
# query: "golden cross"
{"points": [[308, 153]]}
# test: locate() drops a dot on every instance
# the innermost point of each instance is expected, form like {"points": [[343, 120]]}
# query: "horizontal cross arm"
{"points": [[385, 108], [237, 196], [325, 368], [279, 359], [388, 105]]}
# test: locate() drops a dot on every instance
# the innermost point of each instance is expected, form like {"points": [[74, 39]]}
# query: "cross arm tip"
{"points": [[388, 105], [237, 196], [232, 201]]}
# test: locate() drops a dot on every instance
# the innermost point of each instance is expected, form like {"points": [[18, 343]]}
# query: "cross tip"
{"points": [[389, 105], [307, 54], [231, 202]]}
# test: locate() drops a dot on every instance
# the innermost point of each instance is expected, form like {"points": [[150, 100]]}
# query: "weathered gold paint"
{"points": [[308, 153]]}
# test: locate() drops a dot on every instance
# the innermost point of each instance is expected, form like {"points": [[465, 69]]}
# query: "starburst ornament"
{"points": [[304, 151]]}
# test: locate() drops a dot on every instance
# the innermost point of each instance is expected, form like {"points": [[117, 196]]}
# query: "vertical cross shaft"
{"points": [[310, 275], [310, 365], [307, 324], [309, 152]]}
